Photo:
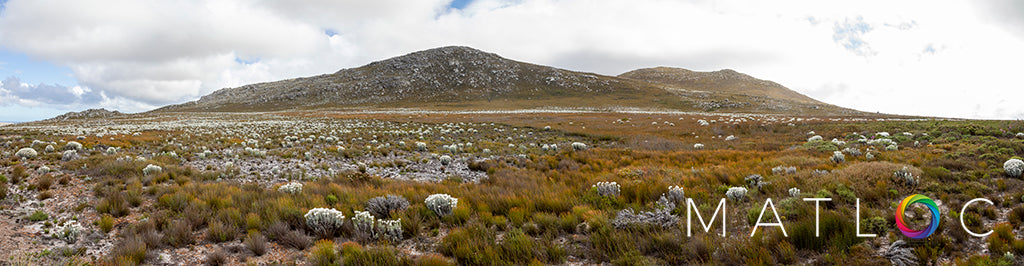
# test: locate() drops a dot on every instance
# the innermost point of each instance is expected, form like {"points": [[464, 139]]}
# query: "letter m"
{"points": [[692, 208]]}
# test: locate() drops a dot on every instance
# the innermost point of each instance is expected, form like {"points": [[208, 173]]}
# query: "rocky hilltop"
{"points": [[87, 114], [726, 80], [463, 78]]}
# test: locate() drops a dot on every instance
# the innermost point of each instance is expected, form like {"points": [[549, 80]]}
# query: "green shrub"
{"points": [[323, 254], [106, 223], [178, 234], [38, 216], [219, 232]]}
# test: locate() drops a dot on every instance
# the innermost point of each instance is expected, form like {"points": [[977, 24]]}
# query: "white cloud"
{"points": [[943, 58]]}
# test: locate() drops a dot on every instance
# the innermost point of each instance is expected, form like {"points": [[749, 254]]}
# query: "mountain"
{"points": [[463, 78], [726, 80], [91, 113]]}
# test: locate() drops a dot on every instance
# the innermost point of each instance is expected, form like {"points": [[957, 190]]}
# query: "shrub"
{"points": [[421, 146], [441, 204], [38, 216], [44, 182], [152, 169], [1014, 167], [3, 190], [256, 243], [381, 207], [295, 239], [69, 155], [219, 232], [445, 160], [362, 222], [660, 217], [905, 177], [755, 180], [675, 194], [838, 157], [579, 146], [293, 188], [73, 146], [324, 254], [26, 153], [217, 257], [794, 192], [111, 151], [106, 223], [178, 234], [606, 189], [324, 222], [131, 251], [780, 170], [814, 138], [736, 193], [69, 232], [731, 138], [49, 149], [899, 254], [698, 146]]}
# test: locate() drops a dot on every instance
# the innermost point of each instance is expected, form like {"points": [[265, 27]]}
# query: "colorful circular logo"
{"points": [[917, 234]]}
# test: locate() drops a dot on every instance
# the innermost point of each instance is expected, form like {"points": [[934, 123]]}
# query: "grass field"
{"points": [[531, 188]]}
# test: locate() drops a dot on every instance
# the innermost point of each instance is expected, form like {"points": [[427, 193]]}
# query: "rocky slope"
{"points": [[726, 80], [463, 78]]}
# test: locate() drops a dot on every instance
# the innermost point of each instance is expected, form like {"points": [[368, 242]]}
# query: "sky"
{"points": [[944, 58]]}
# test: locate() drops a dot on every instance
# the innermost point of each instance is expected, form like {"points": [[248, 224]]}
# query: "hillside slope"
{"points": [[726, 80], [463, 78]]}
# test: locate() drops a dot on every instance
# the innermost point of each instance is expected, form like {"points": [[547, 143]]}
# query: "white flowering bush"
{"points": [[1013, 167], [73, 145], [1020, 135], [606, 189], [703, 122], [49, 148], [111, 151], [736, 193], [152, 169], [731, 138], [838, 157], [69, 155], [698, 146], [26, 153], [780, 170], [892, 147], [69, 232], [445, 160], [794, 192], [675, 194], [362, 223], [855, 152], [43, 169], [421, 146], [324, 222], [293, 188], [755, 180], [441, 204], [904, 176], [579, 146], [389, 230], [814, 138], [869, 156]]}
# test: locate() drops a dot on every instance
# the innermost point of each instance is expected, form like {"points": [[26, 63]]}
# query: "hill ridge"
{"points": [[460, 77]]}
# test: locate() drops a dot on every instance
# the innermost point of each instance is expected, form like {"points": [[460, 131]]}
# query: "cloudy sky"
{"points": [[948, 58]]}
